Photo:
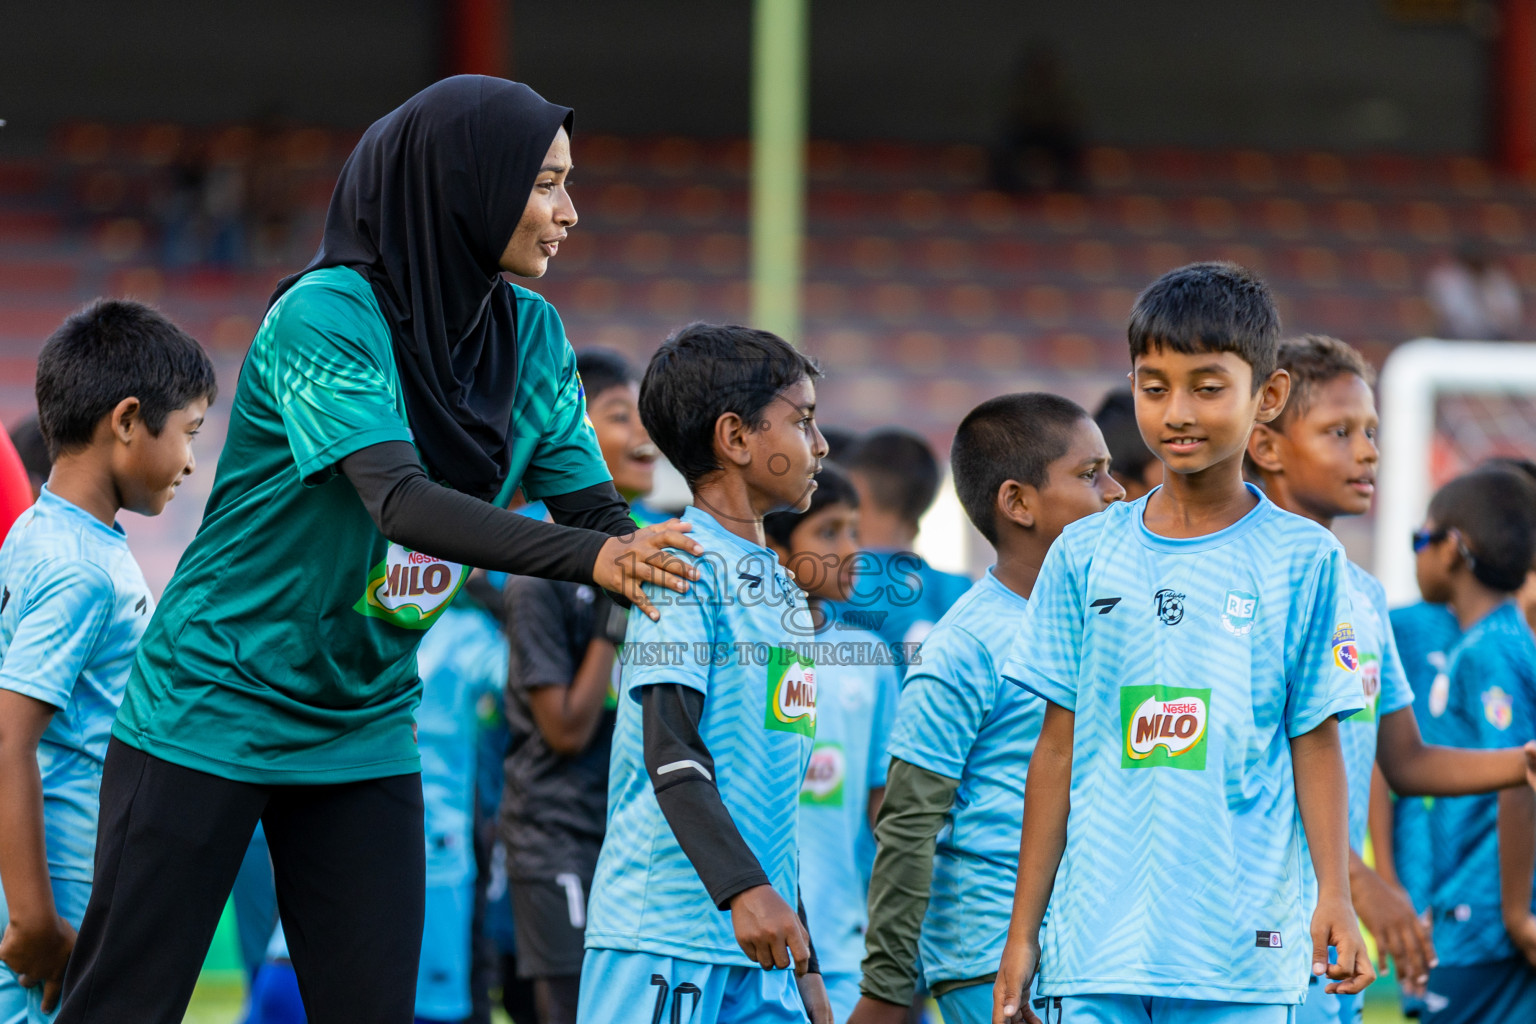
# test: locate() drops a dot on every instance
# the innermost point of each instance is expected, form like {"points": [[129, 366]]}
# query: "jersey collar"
{"points": [[1186, 545]]}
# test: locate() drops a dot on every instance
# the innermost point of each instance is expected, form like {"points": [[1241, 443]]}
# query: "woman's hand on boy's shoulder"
{"points": [[649, 555]]}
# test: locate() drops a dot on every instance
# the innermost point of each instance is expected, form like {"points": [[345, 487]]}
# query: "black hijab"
{"points": [[423, 209]]}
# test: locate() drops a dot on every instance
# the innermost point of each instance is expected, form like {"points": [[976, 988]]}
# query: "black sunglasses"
{"points": [[1424, 537]]}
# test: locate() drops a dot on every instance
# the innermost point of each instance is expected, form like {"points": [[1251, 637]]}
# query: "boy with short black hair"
{"points": [[896, 594], [717, 713], [1318, 459], [1473, 553], [121, 393], [856, 689], [1195, 651], [1025, 466], [1133, 463]]}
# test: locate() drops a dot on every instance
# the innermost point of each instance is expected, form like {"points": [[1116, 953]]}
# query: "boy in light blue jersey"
{"points": [[1472, 555], [1195, 652], [1318, 459], [896, 593], [1025, 466], [717, 714], [856, 687], [462, 657], [1424, 634], [121, 393]]}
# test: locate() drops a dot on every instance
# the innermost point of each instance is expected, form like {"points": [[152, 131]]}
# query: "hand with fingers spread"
{"points": [[1333, 924], [1386, 911], [647, 556], [1015, 977], [37, 956], [768, 929], [813, 993]]}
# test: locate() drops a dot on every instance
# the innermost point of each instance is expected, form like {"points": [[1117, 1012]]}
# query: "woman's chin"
{"points": [[531, 267]]}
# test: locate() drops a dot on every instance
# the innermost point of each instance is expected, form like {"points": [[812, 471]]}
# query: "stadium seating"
{"points": [[933, 290]]}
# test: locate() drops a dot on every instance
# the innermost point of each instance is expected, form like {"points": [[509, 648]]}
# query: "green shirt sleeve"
{"points": [[331, 375], [567, 457], [916, 804]]}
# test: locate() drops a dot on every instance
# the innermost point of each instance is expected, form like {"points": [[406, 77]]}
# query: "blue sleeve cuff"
{"points": [[1340, 707], [1049, 689]]}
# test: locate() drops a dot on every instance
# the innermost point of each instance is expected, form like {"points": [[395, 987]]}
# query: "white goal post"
{"points": [[1414, 378]]}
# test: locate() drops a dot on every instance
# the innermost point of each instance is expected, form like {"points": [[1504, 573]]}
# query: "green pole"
{"points": [[778, 163]]}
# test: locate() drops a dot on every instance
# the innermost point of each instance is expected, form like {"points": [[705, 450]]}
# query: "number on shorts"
{"points": [[687, 988]]}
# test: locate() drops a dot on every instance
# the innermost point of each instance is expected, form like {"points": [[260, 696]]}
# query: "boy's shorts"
{"points": [[842, 991], [549, 916], [625, 987], [1504, 990], [442, 980], [1120, 1009], [1322, 1008], [25, 1005], [969, 1004]]}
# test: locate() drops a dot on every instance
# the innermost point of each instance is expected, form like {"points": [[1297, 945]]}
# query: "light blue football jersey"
{"points": [[462, 658], [1491, 703], [1384, 687], [1189, 664], [73, 607], [899, 596], [735, 637], [957, 718], [1425, 633], [855, 708]]}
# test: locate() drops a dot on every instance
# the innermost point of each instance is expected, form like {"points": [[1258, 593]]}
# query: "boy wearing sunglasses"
{"points": [[1318, 459], [1472, 556]]}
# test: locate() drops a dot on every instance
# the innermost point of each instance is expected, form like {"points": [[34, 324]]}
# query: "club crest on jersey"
{"points": [[791, 693], [824, 776], [1170, 606], [1164, 726], [1345, 654], [1498, 708], [409, 588], [1239, 611]]}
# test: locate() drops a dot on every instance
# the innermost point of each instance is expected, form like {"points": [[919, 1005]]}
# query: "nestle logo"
{"points": [[855, 619]]}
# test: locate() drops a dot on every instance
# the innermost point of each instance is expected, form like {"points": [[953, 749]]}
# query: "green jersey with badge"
{"points": [[284, 648]]}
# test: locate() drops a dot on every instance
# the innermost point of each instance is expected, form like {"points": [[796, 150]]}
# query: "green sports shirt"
{"points": [[284, 647]]}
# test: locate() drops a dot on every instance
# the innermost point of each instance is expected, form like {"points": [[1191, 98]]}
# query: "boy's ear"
{"points": [[1264, 449], [1018, 503], [1273, 395], [125, 420], [731, 439]]}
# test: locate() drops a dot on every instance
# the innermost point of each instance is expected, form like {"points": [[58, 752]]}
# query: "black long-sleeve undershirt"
{"points": [[411, 510], [682, 773]]}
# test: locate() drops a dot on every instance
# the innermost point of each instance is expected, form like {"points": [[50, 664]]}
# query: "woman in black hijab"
{"points": [[397, 394]]}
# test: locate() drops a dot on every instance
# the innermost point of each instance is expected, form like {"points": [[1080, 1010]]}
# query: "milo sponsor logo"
{"points": [[1370, 687], [1164, 726], [791, 693], [824, 776], [409, 588]]}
